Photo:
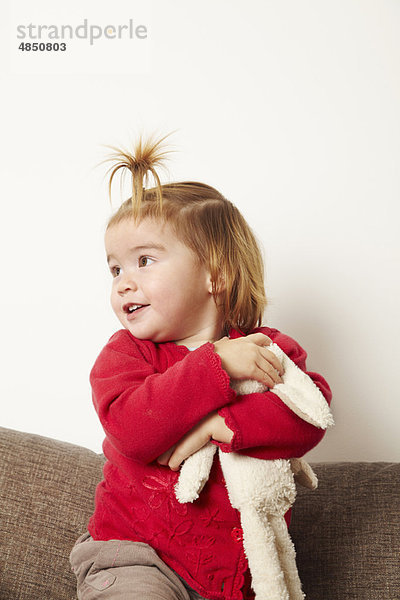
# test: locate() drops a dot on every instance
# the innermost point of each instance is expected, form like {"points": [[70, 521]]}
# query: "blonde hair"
{"points": [[207, 223]]}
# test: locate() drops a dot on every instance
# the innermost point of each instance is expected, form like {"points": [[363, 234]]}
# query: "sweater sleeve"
{"points": [[263, 426], [144, 412]]}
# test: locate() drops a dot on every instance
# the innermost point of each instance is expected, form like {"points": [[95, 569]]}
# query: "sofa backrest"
{"points": [[347, 532]]}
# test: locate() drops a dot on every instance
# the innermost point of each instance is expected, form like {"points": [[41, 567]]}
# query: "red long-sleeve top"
{"points": [[147, 397]]}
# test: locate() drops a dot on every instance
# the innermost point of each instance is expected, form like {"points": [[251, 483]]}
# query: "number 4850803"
{"points": [[42, 47]]}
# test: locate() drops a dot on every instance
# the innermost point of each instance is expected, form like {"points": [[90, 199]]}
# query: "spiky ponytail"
{"points": [[147, 157]]}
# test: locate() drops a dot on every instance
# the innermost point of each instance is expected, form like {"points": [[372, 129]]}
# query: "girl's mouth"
{"points": [[131, 308]]}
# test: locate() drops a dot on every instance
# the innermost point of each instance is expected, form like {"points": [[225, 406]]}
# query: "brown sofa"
{"points": [[346, 533]]}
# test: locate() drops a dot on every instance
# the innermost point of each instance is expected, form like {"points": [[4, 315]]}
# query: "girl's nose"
{"points": [[126, 284]]}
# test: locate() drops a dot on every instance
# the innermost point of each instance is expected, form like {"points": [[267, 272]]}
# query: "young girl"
{"points": [[188, 290]]}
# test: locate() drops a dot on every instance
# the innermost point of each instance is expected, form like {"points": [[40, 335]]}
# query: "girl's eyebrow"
{"points": [[142, 248], [149, 246]]}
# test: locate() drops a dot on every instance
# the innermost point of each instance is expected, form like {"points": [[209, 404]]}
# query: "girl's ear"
{"points": [[210, 284], [219, 284]]}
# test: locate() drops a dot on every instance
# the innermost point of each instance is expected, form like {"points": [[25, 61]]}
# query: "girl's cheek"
{"points": [[114, 303]]}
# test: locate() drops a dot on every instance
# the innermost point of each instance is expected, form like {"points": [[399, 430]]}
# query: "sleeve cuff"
{"points": [[236, 442], [221, 375]]}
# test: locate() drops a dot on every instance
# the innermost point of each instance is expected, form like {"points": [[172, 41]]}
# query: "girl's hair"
{"points": [[206, 222]]}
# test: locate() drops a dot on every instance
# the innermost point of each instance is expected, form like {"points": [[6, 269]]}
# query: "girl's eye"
{"points": [[115, 271], [145, 261]]}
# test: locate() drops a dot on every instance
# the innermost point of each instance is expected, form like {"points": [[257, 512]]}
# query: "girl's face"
{"points": [[160, 292]]}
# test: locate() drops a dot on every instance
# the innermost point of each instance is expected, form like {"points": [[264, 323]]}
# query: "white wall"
{"points": [[290, 108]]}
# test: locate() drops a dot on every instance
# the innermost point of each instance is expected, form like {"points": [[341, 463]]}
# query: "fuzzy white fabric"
{"points": [[264, 490]]}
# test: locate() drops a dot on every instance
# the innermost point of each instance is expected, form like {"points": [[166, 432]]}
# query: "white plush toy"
{"points": [[264, 490]]}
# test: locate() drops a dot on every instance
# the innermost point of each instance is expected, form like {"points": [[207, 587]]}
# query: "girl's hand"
{"points": [[211, 427], [248, 358]]}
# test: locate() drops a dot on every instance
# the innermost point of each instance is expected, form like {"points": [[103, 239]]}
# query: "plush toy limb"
{"points": [[194, 474], [287, 557], [303, 473], [268, 580], [263, 490]]}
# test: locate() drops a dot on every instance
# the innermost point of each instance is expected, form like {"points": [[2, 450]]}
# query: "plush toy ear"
{"points": [[300, 393], [297, 391]]}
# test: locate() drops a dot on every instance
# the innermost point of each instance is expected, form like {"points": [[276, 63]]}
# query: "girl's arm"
{"points": [[258, 425], [212, 427], [263, 426], [145, 412]]}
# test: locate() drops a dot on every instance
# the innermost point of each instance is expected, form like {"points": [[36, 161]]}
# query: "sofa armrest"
{"points": [[46, 498]]}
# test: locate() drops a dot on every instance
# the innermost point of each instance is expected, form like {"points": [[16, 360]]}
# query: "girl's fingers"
{"points": [[270, 370], [243, 356], [164, 458], [271, 358], [257, 338], [274, 376], [189, 444], [267, 378]]}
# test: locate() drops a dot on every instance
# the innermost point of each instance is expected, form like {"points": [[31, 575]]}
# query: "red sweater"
{"points": [[147, 397]]}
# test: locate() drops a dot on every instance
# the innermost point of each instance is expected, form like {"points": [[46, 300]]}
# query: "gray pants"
{"points": [[120, 569]]}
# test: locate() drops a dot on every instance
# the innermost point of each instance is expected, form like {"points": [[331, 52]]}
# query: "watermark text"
{"points": [[84, 31]]}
